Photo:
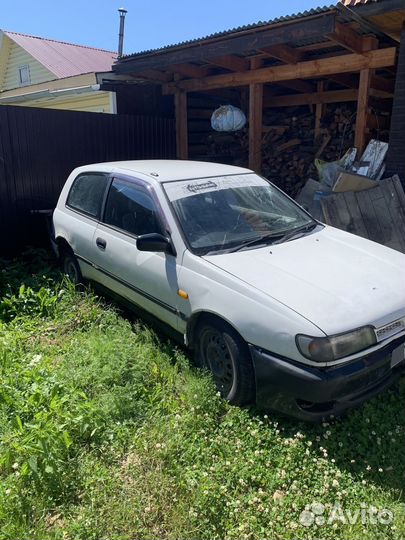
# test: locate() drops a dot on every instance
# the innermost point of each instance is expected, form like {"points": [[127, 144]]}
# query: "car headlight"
{"points": [[327, 349]]}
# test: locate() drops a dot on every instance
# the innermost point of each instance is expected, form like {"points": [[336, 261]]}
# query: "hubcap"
{"points": [[218, 359]]}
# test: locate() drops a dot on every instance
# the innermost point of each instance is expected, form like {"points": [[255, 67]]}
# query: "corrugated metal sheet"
{"points": [[244, 28], [40, 147], [351, 3], [64, 59]]}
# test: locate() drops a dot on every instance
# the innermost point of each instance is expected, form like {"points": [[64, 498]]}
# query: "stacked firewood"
{"points": [[290, 144]]}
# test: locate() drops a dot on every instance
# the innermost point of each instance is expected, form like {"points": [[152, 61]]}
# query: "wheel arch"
{"points": [[198, 318], [62, 245]]}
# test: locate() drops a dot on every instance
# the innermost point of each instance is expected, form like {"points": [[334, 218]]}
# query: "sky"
{"points": [[149, 23]]}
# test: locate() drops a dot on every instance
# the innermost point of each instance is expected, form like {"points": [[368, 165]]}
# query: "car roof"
{"points": [[167, 170]]}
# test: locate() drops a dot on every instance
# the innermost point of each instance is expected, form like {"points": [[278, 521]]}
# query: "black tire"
{"points": [[221, 349], [70, 266]]}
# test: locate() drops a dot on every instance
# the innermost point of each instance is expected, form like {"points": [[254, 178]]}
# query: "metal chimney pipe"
{"points": [[122, 13]]}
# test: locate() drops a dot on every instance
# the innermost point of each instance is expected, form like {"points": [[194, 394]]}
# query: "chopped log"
{"points": [[288, 144]]}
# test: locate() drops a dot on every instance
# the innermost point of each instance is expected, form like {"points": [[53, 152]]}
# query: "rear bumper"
{"points": [[311, 393]]}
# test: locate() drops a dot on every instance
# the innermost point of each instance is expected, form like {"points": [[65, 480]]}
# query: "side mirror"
{"points": [[154, 242]]}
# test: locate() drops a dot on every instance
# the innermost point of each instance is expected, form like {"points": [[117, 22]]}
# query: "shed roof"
{"points": [[238, 29], [64, 59]]}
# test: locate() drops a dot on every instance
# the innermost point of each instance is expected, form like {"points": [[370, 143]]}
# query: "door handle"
{"points": [[101, 243]]}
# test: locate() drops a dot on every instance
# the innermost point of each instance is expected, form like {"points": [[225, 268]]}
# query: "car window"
{"points": [[131, 208], [87, 193], [222, 213]]}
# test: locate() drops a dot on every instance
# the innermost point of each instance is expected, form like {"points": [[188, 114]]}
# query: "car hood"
{"points": [[336, 280]]}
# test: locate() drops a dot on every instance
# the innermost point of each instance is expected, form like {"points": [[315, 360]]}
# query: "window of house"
{"points": [[87, 193], [131, 208], [24, 74]]}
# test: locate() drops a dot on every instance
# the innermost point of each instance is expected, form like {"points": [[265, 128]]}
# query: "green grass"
{"points": [[106, 431]]}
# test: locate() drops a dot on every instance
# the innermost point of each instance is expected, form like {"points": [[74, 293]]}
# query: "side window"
{"points": [[87, 193], [131, 208], [24, 75]]}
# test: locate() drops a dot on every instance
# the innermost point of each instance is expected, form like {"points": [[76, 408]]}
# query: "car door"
{"points": [[146, 279], [83, 210]]}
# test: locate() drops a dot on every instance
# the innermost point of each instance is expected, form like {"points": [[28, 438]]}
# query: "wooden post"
{"points": [[255, 126], [362, 109], [318, 111], [180, 105]]}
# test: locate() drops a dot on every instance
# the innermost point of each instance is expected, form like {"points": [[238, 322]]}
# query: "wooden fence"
{"points": [[377, 214]]}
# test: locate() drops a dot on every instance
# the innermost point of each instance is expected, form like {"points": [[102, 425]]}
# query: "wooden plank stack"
{"points": [[377, 213]]}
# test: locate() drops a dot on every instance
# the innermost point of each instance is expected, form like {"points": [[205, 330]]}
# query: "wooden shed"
{"points": [[346, 53]]}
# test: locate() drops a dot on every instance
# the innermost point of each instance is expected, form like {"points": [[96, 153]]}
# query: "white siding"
{"points": [[18, 57], [92, 102]]}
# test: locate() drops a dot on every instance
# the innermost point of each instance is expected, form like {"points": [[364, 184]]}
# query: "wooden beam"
{"points": [[255, 126], [189, 70], [180, 106], [309, 69], [288, 55], [345, 79], [385, 85], [317, 46], [238, 43], [313, 98], [349, 39], [318, 111], [284, 53], [362, 110], [298, 85], [155, 75], [231, 62]]}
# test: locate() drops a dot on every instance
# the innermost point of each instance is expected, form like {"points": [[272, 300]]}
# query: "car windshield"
{"points": [[225, 213]]}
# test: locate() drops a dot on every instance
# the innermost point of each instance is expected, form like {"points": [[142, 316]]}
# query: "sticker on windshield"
{"points": [[188, 188]]}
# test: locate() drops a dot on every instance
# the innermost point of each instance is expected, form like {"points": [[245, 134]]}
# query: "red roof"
{"points": [[64, 59]]}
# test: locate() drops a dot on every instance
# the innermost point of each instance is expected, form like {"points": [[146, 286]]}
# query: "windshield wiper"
{"points": [[272, 238], [256, 241], [295, 232]]}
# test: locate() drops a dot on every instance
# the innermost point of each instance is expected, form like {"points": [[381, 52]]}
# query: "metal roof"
{"points": [[244, 28], [352, 3], [64, 59]]}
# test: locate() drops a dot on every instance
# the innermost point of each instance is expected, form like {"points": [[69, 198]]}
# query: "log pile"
{"points": [[289, 144]]}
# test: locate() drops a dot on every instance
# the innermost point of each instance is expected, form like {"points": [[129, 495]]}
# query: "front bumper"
{"points": [[311, 393]]}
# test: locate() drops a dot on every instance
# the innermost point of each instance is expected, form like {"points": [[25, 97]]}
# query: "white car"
{"points": [[286, 312]]}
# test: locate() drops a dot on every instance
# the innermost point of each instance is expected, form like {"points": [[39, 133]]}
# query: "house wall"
{"points": [[16, 57], [92, 102]]}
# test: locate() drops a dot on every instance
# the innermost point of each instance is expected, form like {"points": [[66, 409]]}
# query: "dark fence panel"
{"points": [[396, 150], [40, 147]]}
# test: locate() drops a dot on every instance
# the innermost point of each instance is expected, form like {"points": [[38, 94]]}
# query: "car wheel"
{"points": [[70, 266], [222, 350]]}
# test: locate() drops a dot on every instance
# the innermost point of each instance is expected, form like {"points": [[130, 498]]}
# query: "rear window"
{"points": [[87, 193]]}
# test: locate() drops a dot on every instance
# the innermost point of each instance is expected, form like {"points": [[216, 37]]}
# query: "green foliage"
{"points": [[107, 432], [28, 302]]}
